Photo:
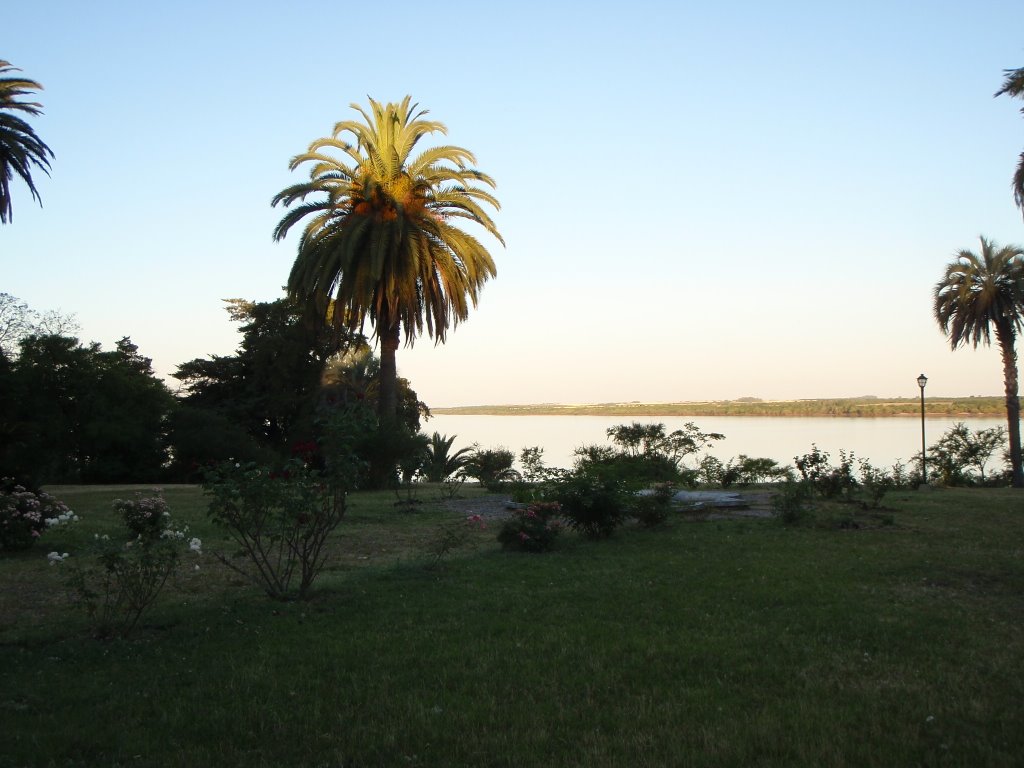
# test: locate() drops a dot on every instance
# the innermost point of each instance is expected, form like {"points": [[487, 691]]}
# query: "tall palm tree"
{"points": [[379, 236], [1013, 86], [20, 148], [979, 293]]}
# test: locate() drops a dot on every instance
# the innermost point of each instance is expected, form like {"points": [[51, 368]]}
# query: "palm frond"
{"points": [[1013, 84], [981, 294], [21, 150], [380, 238]]}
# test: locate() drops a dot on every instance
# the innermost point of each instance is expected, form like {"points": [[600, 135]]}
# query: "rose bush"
{"points": [[26, 515]]}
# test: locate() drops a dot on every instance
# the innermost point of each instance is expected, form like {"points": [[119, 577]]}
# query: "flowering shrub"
{"points": [[146, 517], [25, 516], [280, 520], [533, 529], [117, 581]]}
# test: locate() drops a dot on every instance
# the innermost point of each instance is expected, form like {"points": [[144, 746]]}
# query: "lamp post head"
{"points": [[922, 380]]}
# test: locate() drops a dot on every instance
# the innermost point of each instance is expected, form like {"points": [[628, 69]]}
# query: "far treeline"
{"points": [[867, 407]]}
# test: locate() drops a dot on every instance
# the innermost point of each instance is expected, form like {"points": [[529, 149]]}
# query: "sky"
{"points": [[700, 201]]}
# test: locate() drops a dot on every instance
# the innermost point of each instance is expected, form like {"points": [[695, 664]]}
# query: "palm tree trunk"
{"points": [[1005, 336], [387, 404]]}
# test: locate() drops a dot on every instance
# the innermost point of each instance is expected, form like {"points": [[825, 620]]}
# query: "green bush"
{"points": [[710, 471], [652, 509], [594, 505], [636, 471], [791, 502], [491, 467], [281, 518], [874, 484], [961, 456], [828, 481], [748, 470]]}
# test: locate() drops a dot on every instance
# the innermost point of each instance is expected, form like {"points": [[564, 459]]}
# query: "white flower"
{"points": [[196, 545], [56, 557]]}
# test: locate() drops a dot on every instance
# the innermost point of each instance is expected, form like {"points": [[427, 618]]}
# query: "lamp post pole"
{"points": [[921, 381]]}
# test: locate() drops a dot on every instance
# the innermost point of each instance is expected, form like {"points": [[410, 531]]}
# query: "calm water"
{"points": [[882, 441]]}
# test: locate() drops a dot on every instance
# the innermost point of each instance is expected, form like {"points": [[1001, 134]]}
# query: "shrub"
{"points": [[537, 479], [452, 485], [636, 471], [644, 454], [874, 483], [491, 467], [281, 519], [533, 529], [594, 505], [26, 515], [652, 509], [814, 465], [145, 517], [959, 453], [791, 502], [116, 582], [748, 470], [900, 477], [826, 480], [710, 470]]}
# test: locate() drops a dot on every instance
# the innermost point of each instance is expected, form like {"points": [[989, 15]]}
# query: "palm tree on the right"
{"points": [[979, 294]]}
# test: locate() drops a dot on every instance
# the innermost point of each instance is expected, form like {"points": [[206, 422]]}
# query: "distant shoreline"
{"points": [[858, 407]]}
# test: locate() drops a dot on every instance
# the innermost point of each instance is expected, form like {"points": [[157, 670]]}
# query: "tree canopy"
{"points": [[75, 413], [379, 236]]}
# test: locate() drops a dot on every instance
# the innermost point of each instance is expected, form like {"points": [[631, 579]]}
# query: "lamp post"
{"points": [[921, 381]]}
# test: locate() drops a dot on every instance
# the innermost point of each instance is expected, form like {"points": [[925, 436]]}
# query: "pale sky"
{"points": [[699, 201]]}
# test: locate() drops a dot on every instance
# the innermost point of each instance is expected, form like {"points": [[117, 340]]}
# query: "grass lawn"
{"points": [[718, 643]]}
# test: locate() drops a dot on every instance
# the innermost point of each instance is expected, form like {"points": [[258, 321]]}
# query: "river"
{"points": [[882, 441]]}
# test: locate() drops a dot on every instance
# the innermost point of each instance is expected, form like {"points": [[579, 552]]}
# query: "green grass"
{"points": [[727, 643]]}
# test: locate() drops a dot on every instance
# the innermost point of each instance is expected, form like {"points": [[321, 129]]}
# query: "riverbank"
{"points": [[864, 407]]}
